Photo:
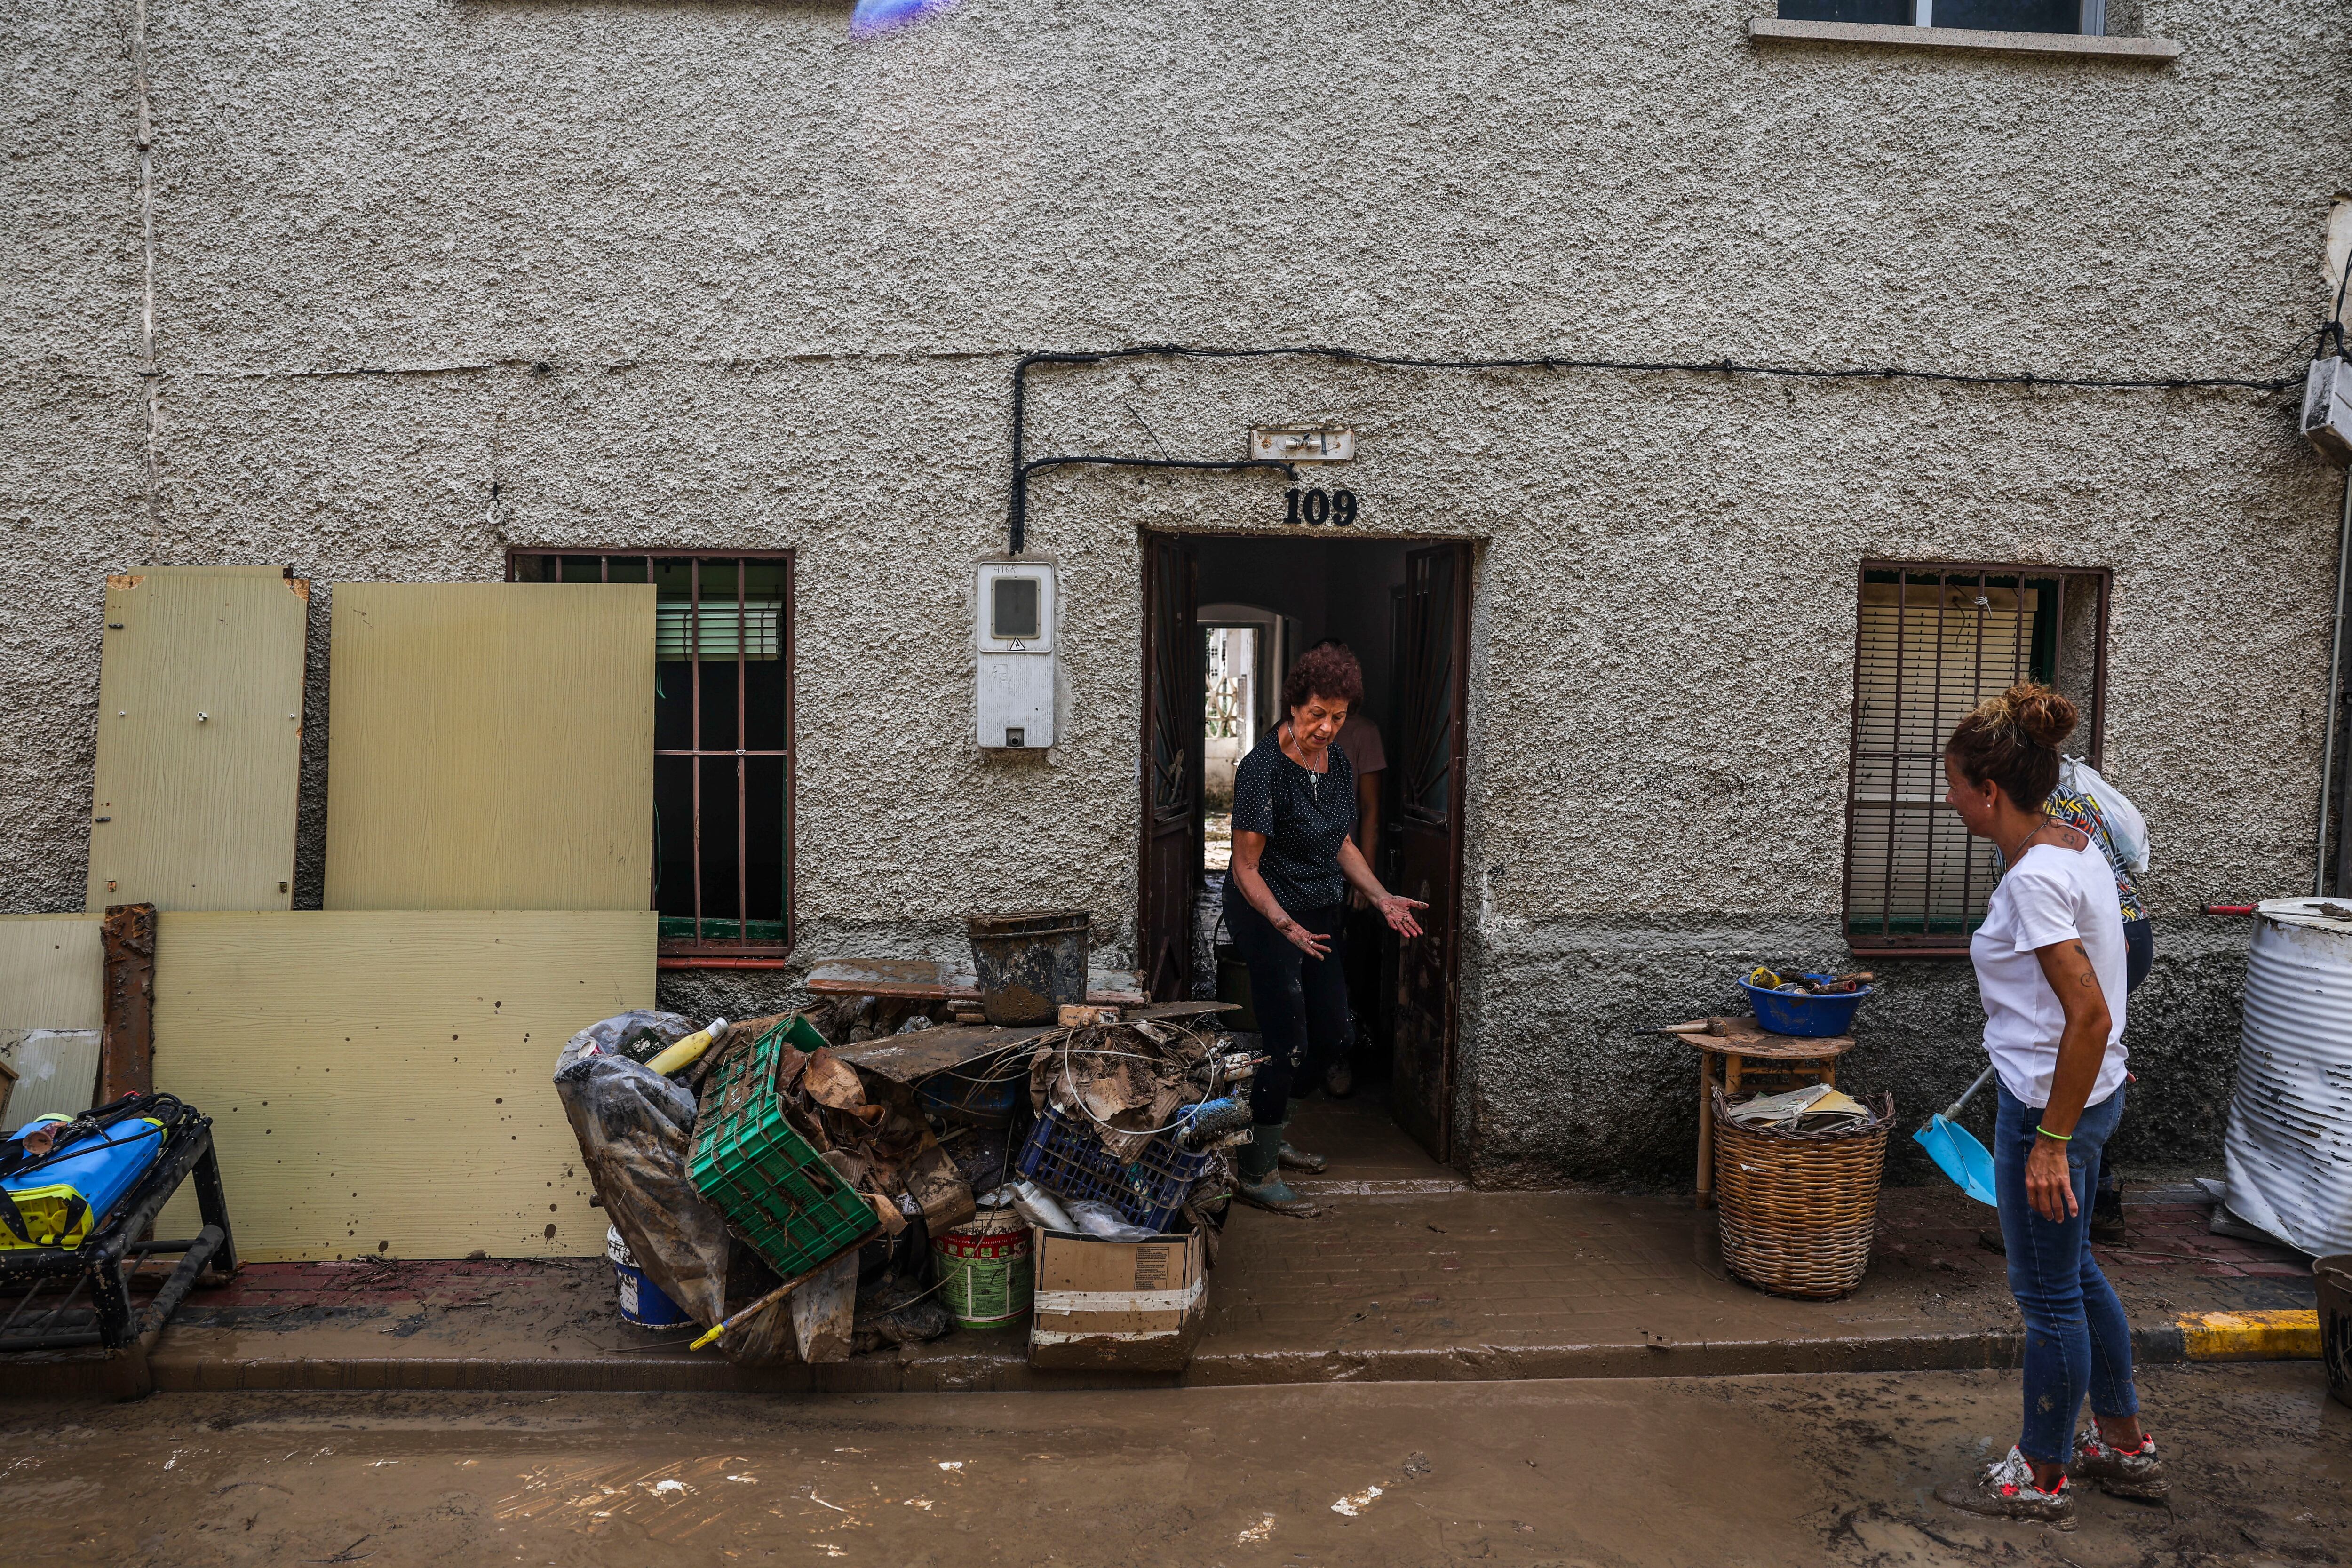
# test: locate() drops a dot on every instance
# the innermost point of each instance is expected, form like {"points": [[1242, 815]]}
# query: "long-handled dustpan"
{"points": [[1956, 1149]]}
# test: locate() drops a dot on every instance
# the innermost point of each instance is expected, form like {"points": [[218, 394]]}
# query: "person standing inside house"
{"points": [[1360, 742], [2051, 967], [1287, 897], [2073, 804]]}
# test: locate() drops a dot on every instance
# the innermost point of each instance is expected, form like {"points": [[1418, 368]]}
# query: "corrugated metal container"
{"points": [[2289, 1149]]}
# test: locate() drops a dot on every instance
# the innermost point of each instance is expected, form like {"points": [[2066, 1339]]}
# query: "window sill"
{"points": [[1875, 952], [2127, 51]]}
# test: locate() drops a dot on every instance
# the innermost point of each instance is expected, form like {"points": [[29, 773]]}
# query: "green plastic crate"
{"points": [[791, 1206]]}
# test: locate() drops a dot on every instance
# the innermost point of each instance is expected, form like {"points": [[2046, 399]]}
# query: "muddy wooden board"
{"points": [[1746, 1037], [903, 1058], [492, 746], [379, 1080], [928, 979], [52, 972], [1178, 1010], [199, 740]]}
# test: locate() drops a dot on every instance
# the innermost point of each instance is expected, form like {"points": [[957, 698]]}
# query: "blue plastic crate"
{"points": [[1148, 1191]]}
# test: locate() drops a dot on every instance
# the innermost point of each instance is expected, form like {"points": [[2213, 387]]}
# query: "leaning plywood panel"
{"points": [[199, 740], [492, 746], [52, 972], [55, 1070], [378, 1080]]}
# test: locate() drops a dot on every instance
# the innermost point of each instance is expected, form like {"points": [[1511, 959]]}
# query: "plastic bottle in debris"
{"points": [[687, 1051], [1212, 1121]]}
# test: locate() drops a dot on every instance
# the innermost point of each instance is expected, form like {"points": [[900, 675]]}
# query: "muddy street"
{"points": [[1733, 1470]]}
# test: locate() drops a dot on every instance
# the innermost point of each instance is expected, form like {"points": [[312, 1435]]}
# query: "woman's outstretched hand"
{"points": [[1305, 941], [1397, 910], [2049, 1181]]}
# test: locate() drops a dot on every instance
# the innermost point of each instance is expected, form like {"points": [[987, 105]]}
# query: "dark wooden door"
{"points": [[1433, 693], [1175, 695]]}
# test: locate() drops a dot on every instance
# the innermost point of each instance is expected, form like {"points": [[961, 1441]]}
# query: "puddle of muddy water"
{"points": [[1747, 1470]]}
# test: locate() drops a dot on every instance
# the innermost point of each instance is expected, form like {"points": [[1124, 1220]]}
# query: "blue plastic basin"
{"points": [[1804, 1014]]}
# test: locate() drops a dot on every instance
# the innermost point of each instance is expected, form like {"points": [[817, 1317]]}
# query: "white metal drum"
{"points": [[2289, 1148]]}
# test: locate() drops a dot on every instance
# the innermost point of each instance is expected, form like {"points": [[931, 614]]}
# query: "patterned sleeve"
{"points": [[1254, 794]]}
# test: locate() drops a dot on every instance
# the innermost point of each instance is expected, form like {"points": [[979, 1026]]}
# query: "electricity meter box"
{"points": [[2327, 408], [1016, 655]]}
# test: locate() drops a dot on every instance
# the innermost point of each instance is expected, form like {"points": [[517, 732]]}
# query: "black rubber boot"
{"points": [[2107, 1210]]}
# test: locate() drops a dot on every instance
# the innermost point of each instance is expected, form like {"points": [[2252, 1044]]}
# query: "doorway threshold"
{"points": [[1371, 1155]]}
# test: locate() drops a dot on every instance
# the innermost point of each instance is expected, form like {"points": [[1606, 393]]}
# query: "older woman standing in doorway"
{"points": [[1286, 901], [2050, 965]]}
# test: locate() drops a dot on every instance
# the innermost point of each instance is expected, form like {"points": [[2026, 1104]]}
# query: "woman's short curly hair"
{"points": [[1326, 670]]}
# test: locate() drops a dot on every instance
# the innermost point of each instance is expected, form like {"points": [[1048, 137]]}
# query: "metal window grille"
{"points": [[723, 738], [1933, 641]]}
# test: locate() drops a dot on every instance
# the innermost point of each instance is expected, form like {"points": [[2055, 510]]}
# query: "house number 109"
{"points": [[1316, 508]]}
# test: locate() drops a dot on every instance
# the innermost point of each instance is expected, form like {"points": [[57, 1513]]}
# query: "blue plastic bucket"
{"points": [[1804, 1014], [644, 1304], [983, 1099]]}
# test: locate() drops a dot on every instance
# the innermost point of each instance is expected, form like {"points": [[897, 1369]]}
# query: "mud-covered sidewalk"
{"points": [[1408, 1276]]}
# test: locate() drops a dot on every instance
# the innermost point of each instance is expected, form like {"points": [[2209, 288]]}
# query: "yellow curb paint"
{"points": [[2290, 1335]]}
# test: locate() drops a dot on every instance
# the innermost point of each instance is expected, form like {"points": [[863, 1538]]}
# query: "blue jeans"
{"points": [[2077, 1339]]}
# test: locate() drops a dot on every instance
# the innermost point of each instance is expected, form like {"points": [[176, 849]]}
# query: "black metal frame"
{"points": [[103, 1263]]}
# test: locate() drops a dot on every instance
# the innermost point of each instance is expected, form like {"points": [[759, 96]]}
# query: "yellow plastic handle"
{"points": [[684, 1054]]}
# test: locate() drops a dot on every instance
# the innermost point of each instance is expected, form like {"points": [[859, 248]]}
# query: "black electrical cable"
{"points": [[1017, 510], [1021, 479]]}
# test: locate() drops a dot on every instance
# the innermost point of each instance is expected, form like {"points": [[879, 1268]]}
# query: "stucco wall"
{"points": [[436, 277]]}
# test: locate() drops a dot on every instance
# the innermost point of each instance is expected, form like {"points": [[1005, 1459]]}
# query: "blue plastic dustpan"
{"points": [[1956, 1151]]}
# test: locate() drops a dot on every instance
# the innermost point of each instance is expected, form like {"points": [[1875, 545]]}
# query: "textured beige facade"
{"points": [[436, 277]]}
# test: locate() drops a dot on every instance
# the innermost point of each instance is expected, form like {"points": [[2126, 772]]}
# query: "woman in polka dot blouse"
{"points": [[1286, 902]]}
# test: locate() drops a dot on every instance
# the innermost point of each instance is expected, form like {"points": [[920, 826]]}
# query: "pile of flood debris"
{"points": [[818, 1184]]}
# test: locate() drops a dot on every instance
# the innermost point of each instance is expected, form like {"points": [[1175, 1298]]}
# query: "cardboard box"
{"points": [[1117, 1306]]}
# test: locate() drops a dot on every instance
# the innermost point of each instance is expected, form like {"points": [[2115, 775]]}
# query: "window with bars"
{"points": [[1998, 16], [1933, 641], [722, 739]]}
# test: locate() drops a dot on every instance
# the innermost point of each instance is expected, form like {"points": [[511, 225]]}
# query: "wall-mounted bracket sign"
{"points": [[1302, 443]]}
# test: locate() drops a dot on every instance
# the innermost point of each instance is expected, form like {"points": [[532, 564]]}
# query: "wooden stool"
{"points": [[1749, 1052]]}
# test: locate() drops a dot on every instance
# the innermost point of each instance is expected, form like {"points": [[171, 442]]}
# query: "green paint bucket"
{"points": [[985, 1270]]}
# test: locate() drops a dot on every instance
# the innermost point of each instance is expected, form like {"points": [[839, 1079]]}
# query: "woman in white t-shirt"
{"points": [[2050, 960]]}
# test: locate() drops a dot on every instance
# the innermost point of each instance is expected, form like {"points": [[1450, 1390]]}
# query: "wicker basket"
{"points": [[1797, 1209]]}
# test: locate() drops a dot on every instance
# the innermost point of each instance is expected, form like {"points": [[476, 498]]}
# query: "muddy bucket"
{"points": [[1031, 966], [985, 1269], [644, 1304], [2333, 1276]]}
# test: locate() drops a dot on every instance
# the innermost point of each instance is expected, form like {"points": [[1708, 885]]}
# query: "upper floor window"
{"points": [[1992, 16]]}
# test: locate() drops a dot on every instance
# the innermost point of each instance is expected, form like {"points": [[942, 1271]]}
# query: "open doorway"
{"points": [[1226, 616]]}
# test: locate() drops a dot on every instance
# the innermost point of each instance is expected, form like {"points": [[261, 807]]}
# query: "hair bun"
{"points": [[2043, 715]]}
